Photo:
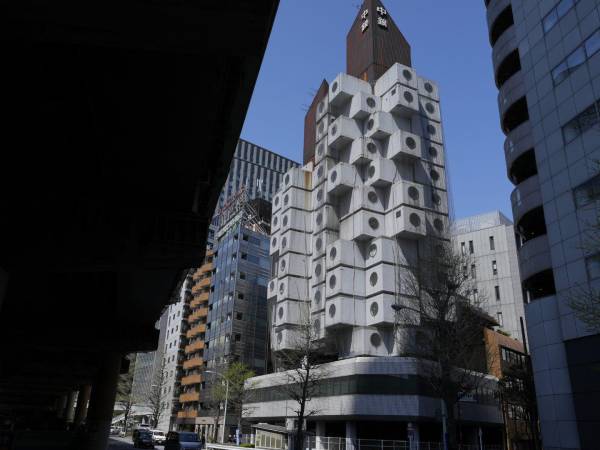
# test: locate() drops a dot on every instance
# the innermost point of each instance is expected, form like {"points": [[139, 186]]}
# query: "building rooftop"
{"points": [[479, 222]]}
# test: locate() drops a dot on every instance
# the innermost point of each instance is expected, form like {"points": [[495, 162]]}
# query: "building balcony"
{"points": [[517, 142], [200, 298], [204, 282], [191, 348], [191, 379], [534, 256], [510, 92], [198, 314], [196, 289], [495, 7], [525, 197], [187, 414], [189, 397], [504, 46], [198, 329], [194, 362]]}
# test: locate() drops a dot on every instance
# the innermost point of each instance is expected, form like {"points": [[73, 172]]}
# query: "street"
{"points": [[119, 443]]}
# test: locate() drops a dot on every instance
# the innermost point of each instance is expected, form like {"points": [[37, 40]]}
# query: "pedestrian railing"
{"points": [[337, 443]]}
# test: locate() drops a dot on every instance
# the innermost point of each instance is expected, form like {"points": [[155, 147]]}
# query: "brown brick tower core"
{"points": [[374, 43]]}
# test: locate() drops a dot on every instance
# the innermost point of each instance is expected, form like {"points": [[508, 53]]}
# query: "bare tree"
{"points": [[439, 320], [156, 394], [304, 372], [124, 397], [585, 300]]}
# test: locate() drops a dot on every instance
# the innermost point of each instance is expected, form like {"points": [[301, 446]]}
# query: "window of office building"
{"points": [[586, 120], [499, 317], [471, 248], [587, 192], [557, 13], [463, 248], [494, 268], [492, 244], [576, 58], [473, 271], [497, 293]]}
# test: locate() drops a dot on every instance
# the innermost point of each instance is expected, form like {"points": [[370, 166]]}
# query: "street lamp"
{"points": [[226, 397]]}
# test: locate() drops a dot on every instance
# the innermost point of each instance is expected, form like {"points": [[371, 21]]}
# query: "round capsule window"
{"points": [[411, 143], [333, 176], [275, 221], [434, 175], [374, 309], [334, 86], [281, 288], [372, 196], [284, 243], [375, 340], [429, 108], [372, 250], [332, 310], [318, 297], [332, 281], [319, 244], [408, 97], [318, 270], [274, 242], [438, 224], [433, 152], [373, 278], [282, 265], [415, 220], [320, 195], [321, 106], [280, 312], [286, 199], [271, 285], [371, 102], [317, 326], [370, 124], [373, 223], [287, 179], [321, 127], [320, 149], [285, 221], [320, 172], [371, 171], [371, 147], [413, 193], [332, 253], [319, 219], [279, 337], [431, 129], [334, 130], [436, 199], [407, 75], [429, 87], [277, 201]]}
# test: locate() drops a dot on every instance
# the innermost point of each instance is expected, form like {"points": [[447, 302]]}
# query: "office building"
{"points": [[345, 225], [192, 377], [488, 241], [547, 69], [257, 169]]}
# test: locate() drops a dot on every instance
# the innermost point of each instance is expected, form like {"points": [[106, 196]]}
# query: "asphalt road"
{"points": [[118, 443]]}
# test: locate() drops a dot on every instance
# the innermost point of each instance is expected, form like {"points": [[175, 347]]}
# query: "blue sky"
{"points": [[449, 45]]}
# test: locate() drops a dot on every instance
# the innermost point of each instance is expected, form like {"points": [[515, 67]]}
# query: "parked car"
{"points": [[158, 437], [142, 439], [182, 440]]}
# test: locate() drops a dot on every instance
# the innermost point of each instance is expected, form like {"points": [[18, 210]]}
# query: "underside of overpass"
{"points": [[120, 121]]}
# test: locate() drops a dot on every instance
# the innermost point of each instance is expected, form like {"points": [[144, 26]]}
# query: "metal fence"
{"points": [[336, 443]]}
